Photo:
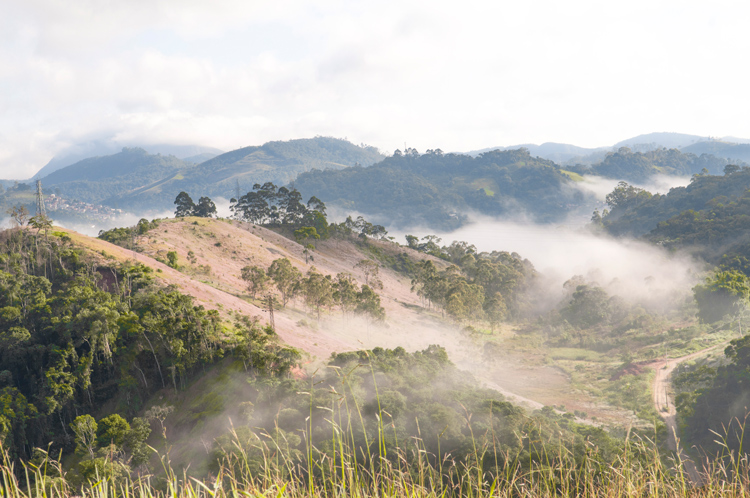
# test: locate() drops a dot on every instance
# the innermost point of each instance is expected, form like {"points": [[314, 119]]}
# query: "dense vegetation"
{"points": [[436, 189], [625, 164], [635, 212], [79, 333], [376, 402], [475, 286]]}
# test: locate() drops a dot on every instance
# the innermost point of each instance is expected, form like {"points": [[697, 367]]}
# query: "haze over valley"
{"points": [[398, 250]]}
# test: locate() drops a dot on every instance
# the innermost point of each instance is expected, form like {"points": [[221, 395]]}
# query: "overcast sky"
{"points": [[454, 75]]}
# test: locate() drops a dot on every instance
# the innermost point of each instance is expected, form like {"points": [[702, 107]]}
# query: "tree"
{"points": [[306, 233], [112, 430], [172, 259], [19, 215], [256, 278], [624, 194], [318, 291], [205, 208], [85, 428], [368, 303], [345, 293], [370, 269], [286, 277], [588, 307], [41, 222], [495, 310], [722, 293], [185, 205], [308, 252]]}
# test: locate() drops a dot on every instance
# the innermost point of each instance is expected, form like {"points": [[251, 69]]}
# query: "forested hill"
{"points": [[675, 216], [436, 189], [278, 162], [98, 178], [624, 164]]}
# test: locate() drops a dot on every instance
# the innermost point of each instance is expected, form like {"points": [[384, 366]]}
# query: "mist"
{"points": [[634, 270], [657, 184]]}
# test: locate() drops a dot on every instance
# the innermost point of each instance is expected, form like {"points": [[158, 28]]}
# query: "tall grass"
{"points": [[384, 467]]}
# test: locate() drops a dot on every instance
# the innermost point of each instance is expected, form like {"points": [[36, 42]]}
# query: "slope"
{"points": [[221, 248], [436, 189], [99, 148], [98, 178], [732, 151], [278, 162]]}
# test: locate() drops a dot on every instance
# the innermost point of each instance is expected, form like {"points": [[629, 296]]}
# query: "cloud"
{"points": [[433, 74]]}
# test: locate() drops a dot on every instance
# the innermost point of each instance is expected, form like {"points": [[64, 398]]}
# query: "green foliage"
{"points": [[724, 292], [286, 278], [462, 291], [172, 259], [112, 430], [640, 166], [76, 335], [717, 204], [256, 278], [588, 307], [375, 400], [124, 237], [270, 205], [433, 188], [712, 401]]}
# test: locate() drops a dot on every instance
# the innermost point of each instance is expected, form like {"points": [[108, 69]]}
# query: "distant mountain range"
{"points": [[135, 179], [567, 154], [433, 188], [99, 148]]}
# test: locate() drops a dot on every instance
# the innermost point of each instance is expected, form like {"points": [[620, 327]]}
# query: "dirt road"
{"points": [[665, 406]]}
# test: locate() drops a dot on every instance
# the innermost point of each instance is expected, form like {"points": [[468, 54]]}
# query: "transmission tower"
{"points": [[269, 306], [40, 211]]}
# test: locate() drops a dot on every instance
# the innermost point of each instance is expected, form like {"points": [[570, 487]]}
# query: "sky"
{"points": [[426, 74]]}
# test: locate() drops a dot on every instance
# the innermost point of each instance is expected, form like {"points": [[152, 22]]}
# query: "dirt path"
{"points": [[665, 407]]}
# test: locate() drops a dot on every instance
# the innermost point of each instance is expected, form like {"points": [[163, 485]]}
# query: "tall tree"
{"points": [[205, 208], [185, 205]]}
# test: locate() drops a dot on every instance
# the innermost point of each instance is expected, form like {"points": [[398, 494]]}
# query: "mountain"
{"points": [[635, 166], [559, 153], [98, 148], [667, 140], [99, 178], [436, 190], [278, 162], [735, 151]]}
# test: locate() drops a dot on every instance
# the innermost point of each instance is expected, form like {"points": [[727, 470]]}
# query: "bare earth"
{"points": [[664, 404]]}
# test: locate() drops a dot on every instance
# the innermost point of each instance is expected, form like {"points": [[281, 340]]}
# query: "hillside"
{"points": [[635, 166], [98, 178], [729, 150], [436, 189], [100, 148], [635, 212], [278, 162]]}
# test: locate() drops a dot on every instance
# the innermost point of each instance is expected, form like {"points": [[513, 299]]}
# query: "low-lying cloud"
{"points": [[632, 269]]}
